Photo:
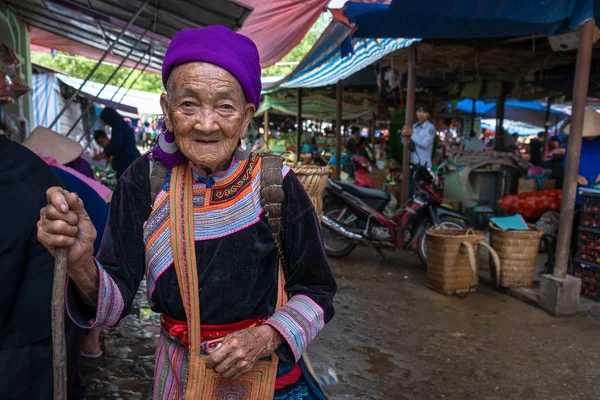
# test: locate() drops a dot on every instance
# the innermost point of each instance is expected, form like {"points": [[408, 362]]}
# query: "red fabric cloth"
{"points": [[289, 378], [178, 330], [277, 26]]}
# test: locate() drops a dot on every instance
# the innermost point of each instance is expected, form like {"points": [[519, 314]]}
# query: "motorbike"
{"points": [[360, 216]]}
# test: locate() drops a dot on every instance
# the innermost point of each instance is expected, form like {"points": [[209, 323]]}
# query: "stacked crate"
{"points": [[588, 244]]}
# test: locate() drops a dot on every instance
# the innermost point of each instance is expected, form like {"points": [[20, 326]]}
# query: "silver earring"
{"points": [[170, 148], [243, 150]]}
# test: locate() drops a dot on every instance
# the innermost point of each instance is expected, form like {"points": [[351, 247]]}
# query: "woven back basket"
{"points": [[518, 251], [452, 260], [314, 180]]}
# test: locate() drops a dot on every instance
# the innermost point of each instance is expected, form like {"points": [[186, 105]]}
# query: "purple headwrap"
{"points": [[216, 45], [220, 46]]}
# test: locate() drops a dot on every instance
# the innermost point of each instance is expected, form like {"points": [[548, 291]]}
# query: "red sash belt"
{"points": [[178, 330]]}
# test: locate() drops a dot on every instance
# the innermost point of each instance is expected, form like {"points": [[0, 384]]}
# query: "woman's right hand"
{"points": [[65, 223]]}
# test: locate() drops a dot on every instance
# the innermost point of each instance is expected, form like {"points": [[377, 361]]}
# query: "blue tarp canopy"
{"points": [[470, 18], [520, 128], [531, 112], [325, 65]]}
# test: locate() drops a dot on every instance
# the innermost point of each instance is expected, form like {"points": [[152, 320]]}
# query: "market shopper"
{"points": [[205, 242], [352, 143], [422, 134], [588, 174], [536, 147], [589, 167], [120, 148], [27, 278], [474, 144]]}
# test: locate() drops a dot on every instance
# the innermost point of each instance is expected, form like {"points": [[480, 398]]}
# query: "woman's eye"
{"points": [[227, 107], [187, 104]]}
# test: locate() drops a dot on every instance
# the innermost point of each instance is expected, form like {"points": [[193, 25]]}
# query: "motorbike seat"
{"points": [[363, 192]]}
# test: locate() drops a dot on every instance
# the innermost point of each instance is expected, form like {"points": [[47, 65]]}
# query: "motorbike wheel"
{"points": [[336, 246], [445, 222]]}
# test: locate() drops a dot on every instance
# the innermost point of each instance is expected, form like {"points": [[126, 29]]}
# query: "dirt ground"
{"points": [[392, 338]]}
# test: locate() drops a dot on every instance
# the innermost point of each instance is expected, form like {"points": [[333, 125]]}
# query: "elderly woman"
{"points": [[208, 247]]}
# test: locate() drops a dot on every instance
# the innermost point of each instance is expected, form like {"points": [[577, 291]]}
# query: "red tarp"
{"points": [[277, 26]]}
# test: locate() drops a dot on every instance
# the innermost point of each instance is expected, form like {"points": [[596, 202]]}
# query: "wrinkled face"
{"points": [[422, 116], [206, 109]]}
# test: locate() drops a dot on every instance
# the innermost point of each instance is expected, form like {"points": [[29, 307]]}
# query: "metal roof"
{"points": [[98, 23]]}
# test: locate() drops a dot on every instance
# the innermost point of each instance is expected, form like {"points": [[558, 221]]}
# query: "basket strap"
{"points": [[495, 258], [472, 264]]}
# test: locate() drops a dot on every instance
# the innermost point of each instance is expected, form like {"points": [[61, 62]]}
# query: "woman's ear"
{"points": [[164, 104], [249, 112]]}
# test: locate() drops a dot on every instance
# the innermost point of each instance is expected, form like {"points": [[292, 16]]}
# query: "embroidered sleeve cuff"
{"points": [[109, 307], [298, 322]]}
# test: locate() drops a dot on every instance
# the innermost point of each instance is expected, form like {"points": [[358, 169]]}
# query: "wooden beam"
{"points": [[410, 119], [580, 92]]}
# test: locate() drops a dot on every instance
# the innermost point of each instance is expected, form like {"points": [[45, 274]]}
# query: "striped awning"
{"points": [[324, 65]]}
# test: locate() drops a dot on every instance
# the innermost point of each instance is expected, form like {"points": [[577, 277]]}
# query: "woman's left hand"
{"points": [[240, 350]]}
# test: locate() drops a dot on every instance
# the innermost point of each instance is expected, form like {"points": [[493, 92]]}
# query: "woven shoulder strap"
{"points": [[271, 197], [158, 178]]}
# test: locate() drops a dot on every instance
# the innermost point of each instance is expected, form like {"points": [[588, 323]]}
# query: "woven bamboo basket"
{"points": [[452, 260], [314, 180], [518, 251]]}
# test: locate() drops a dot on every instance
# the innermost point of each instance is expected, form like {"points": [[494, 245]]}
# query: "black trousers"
{"points": [[26, 372]]}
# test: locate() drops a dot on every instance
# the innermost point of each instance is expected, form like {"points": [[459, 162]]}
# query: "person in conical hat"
{"points": [[589, 166], [64, 150], [208, 238]]}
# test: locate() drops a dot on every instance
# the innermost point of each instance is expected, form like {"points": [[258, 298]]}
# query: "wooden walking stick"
{"points": [[59, 347]]}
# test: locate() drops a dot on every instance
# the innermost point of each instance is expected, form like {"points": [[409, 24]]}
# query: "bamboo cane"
{"points": [[59, 348]]}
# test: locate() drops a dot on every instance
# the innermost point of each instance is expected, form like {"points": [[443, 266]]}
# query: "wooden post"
{"points": [[266, 134], [372, 130], [580, 92], [59, 346], [546, 128], [410, 119], [338, 128], [499, 142], [472, 118], [298, 151]]}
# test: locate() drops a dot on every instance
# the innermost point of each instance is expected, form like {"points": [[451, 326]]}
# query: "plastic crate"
{"points": [[588, 246], [590, 208], [590, 291], [588, 274], [590, 280]]}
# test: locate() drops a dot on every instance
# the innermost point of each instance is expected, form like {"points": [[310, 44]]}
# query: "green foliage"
{"points": [[79, 67], [297, 53]]}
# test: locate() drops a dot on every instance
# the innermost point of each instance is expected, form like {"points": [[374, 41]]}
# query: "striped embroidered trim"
{"points": [[298, 322], [110, 302], [170, 372]]}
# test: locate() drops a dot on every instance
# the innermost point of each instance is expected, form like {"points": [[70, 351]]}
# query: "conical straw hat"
{"points": [[591, 123], [51, 144]]}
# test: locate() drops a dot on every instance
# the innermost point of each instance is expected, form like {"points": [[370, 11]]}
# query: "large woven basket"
{"points": [[314, 180], [453, 260], [518, 251]]}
